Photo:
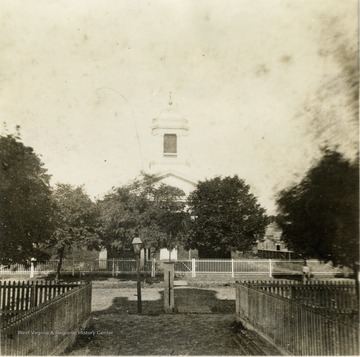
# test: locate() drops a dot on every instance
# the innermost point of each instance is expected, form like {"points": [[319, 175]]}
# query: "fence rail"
{"points": [[238, 267], [297, 329], [223, 266], [233, 267], [49, 327], [74, 267], [17, 297], [339, 295]]}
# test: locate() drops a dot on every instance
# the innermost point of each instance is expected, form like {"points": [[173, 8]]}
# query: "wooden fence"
{"points": [[192, 267], [293, 327], [238, 267], [339, 295], [79, 268], [231, 267], [49, 327], [17, 297]]}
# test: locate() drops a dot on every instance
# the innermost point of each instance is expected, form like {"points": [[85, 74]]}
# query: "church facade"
{"points": [[169, 159]]}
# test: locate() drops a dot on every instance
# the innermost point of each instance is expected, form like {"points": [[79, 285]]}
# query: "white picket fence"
{"points": [[231, 267], [255, 267], [113, 266], [192, 267]]}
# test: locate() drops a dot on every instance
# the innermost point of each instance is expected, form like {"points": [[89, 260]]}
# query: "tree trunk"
{"points": [[61, 257]]}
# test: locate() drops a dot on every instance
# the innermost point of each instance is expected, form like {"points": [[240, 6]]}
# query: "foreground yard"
{"points": [[116, 328]]}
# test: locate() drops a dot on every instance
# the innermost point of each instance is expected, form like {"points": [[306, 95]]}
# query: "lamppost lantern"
{"points": [[137, 244]]}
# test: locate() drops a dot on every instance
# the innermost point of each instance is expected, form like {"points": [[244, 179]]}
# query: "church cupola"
{"points": [[169, 129]]}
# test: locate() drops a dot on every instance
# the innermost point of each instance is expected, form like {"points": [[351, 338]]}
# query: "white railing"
{"points": [[237, 267], [14, 269], [224, 266], [113, 266], [192, 267]]}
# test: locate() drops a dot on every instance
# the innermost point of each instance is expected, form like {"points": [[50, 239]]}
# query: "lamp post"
{"points": [[137, 244]]}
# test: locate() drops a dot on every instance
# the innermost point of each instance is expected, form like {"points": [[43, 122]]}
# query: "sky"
{"points": [[264, 84]]}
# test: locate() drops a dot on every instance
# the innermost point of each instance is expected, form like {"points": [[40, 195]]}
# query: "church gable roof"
{"points": [[185, 184], [177, 176]]}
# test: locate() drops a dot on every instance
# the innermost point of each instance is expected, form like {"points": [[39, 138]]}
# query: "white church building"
{"points": [[170, 155], [168, 158]]}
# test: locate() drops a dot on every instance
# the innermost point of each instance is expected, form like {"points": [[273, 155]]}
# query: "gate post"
{"points": [[193, 271], [153, 268], [169, 301], [270, 269], [32, 267]]}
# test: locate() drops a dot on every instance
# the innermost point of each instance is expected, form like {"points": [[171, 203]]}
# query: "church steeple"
{"points": [[169, 130]]}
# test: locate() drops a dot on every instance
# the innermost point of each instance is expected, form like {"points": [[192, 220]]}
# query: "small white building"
{"points": [[272, 246]]}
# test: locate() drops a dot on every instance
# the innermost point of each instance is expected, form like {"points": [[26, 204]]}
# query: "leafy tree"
{"points": [[76, 222], [146, 207], [320, 215], [167, 209], [26, 207], [225, 217]]}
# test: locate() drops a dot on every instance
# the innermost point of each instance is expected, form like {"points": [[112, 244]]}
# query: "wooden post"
{"points": [[32, 295], [32, 268], [169, 301], [270, 269], [232, 268], [153, 268], [193, 271], [138, 283]]}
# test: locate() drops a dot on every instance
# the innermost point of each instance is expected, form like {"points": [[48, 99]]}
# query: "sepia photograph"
{"points": [[179, 178]]}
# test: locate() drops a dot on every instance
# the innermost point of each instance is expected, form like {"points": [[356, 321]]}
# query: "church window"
{"points": [[170, 144]]}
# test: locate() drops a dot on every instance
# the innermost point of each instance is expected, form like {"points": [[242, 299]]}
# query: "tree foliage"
{"points": [[26, 207], [146, 207], [225, 217], [76, 221], [320, 215]]}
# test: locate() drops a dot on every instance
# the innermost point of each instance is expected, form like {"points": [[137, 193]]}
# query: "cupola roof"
{"points": [[170, 118]]}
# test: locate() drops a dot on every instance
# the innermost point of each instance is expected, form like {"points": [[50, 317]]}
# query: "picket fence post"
{"points": [[232, 268], [193, 272], [32, 268], [270, 269], [153, 265]]}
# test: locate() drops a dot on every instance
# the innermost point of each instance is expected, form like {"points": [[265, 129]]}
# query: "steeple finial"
{"points": [[170, 98]]}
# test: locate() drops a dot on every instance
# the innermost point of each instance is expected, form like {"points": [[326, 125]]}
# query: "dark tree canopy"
{"points": [[320, 215], [26, 207], [146, 207], [76, 221], [225, 217]]}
